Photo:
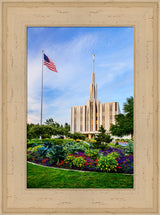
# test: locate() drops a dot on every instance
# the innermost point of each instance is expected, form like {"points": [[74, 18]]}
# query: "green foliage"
{"points": [[68, 142], [129, 148], [102, 146], [76, 135], [115, 145], [108, 163], [92, 153], [57, 141], [112, 144], [69, 160], [35, 131], [67, 127], [34, 142], [51, 122], [84, 145], [29, 156], [102, 137], [72, 148], [30, 134], [118, 146], [35, 148], [124, 122], [114, 155], [48, 145], [56, 153], [46, 131], [42, 152], [79, 161]]}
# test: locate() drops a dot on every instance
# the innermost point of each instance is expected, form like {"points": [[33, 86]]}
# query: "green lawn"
{"points": [[44, 177]]}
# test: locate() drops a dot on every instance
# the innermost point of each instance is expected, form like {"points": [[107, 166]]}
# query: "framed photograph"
{"points": [[19, 20], [75, 116]]}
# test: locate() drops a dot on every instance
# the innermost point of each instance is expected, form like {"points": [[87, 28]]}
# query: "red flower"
{"points": [[60, 163], [119, 167]]}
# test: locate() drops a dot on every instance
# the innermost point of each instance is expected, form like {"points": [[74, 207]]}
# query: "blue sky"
{"points": [[71, 49]]}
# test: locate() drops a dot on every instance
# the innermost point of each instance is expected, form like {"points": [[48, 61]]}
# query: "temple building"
{"points": [[87, 119]]}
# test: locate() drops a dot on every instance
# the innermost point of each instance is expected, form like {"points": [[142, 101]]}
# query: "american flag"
{"points": [[49, 64]]}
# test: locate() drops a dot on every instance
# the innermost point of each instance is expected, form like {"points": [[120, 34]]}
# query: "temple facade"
{"points": [[87, 119]]}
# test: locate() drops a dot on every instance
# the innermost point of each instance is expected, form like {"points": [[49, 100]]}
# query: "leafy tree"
{"points": [[35, 131], [124, 122], [46, 131], [67, 126], [30, 134], [50, 121]]}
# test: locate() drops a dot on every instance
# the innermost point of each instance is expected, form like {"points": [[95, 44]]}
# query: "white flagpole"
{"points": [[42, 87]]}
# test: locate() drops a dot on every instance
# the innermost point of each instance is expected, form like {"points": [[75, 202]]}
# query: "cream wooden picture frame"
{"points": [[15, 17]]}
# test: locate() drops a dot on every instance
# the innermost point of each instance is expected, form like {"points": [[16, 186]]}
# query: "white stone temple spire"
{"points": [[93, 85], [93, 74]]}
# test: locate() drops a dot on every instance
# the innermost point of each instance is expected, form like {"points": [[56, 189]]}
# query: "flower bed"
{"points": [[81, 156]]}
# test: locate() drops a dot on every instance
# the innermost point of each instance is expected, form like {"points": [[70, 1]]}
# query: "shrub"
{"points": [[56, 153], [76, 135], [84, 144], [55, 141], [100, 145], [93, 141], [69, 160], [42, 151], [29, 149], [108, 163], [92, 153], [34, 142], [48, 145], [72, 148], [118, 146], [58, 141], [69, 143], [114, 154], [129, 148], [29, 156], [112, 145], [35, 148], [79, 162]]}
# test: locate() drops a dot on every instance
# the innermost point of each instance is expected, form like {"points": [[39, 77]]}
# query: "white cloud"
{"points": [[69, 79]]}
